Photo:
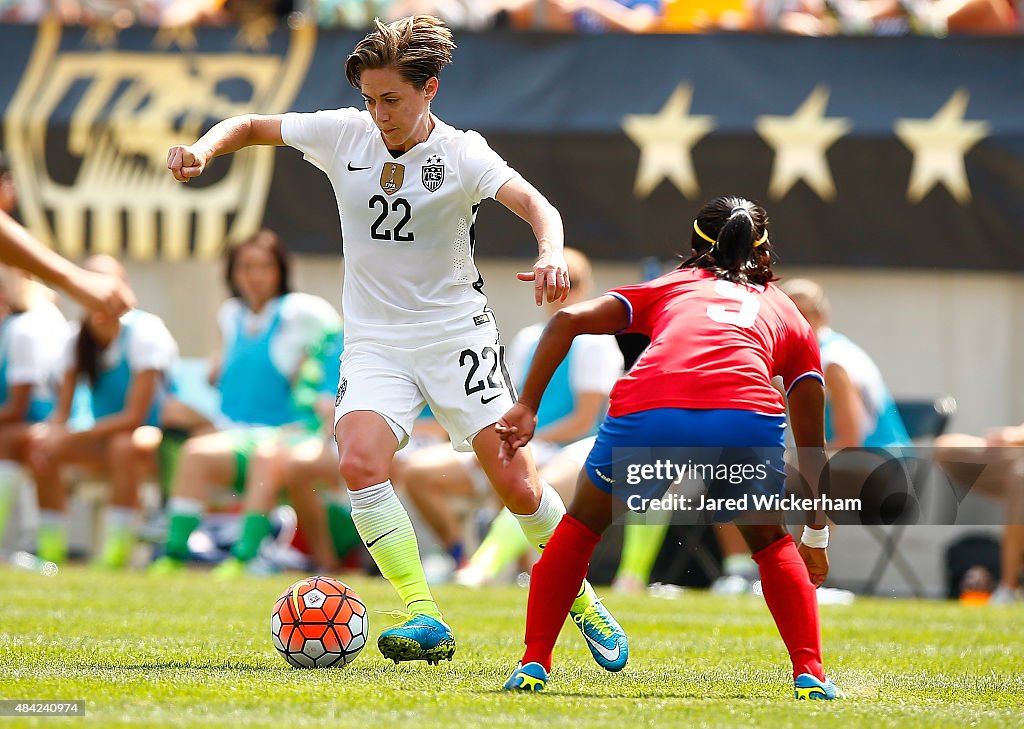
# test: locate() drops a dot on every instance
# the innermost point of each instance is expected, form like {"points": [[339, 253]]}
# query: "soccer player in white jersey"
{"points": [[417, 326]]}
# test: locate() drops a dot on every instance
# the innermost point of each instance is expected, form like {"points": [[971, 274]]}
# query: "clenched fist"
{"points": [[185, 162]]}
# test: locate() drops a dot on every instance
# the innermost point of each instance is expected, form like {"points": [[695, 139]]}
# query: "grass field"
{"points": [[188, 651]]}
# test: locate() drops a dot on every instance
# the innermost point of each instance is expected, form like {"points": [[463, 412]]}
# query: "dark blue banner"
{"points": [[874, 152]]}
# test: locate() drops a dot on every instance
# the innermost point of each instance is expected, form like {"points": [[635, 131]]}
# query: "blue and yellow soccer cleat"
{"points": [[807, 686], [605, 637], [531, 677], [418, 638]]}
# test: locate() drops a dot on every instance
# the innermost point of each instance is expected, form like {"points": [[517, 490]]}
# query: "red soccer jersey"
{"points": [[714, 345]]}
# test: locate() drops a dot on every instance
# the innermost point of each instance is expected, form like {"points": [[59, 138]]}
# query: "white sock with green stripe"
{"points": [[384, 526], [541, 524]]}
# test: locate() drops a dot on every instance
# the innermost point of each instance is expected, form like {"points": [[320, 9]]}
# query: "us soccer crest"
{"points": [[433, 173], [392, 177], [88, 130]]}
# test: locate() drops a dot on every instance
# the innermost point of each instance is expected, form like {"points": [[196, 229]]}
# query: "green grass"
{"points": [[187, 651]]}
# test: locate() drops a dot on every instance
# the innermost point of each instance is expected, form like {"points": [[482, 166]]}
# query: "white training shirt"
{"points": [[406, 223], [33, 343], [150, 345], [862, 371], [595, 360], [304, 318]]}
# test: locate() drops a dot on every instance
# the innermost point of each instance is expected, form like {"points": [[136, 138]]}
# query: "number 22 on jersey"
{"points": [[391, 219]]}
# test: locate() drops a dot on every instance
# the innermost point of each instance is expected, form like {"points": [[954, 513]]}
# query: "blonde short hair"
{"points": [[581, 275], [809, 295]]}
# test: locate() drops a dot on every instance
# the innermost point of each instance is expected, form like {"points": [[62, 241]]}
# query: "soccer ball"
{"points": [[319, 622]]}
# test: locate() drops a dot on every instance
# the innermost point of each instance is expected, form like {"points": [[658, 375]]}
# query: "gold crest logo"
{"points": [[392, 177], [112, 192]]}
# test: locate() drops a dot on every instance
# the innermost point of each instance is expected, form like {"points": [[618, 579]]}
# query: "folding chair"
{"points": [[924, 420]]}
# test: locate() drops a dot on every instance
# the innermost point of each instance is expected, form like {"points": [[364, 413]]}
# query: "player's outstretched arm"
{"points": [[603, 315], [230, 135], [550, 274], [95, 291]]}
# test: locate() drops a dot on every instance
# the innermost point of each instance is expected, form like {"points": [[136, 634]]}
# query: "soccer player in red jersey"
{"points": [[720, 331]]}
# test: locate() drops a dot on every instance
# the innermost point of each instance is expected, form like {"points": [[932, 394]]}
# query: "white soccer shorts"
{"points": [[464, 381]]}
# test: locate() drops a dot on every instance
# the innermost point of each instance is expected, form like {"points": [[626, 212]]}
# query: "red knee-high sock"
{"points": [[554, 584], [793, 603]]}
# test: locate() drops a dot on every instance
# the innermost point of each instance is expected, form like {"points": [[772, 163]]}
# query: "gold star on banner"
{"points": [[800, 142], [181, 35], [939, 145], [666, 140]]}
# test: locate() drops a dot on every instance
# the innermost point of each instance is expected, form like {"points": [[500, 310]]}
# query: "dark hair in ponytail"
{"points": [[730, 239], [87, 354]]}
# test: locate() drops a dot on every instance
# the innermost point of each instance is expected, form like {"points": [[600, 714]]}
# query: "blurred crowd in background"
{"points": [[802, 17]]}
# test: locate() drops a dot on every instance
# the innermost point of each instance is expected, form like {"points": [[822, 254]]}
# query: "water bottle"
{"points": [[32, 563], [976, 586]]}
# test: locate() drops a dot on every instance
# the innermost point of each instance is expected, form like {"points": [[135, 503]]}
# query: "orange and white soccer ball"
{"points": [[319, 622]]}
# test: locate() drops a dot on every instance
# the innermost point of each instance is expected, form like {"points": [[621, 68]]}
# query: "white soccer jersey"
{"points": [[406, 222]]}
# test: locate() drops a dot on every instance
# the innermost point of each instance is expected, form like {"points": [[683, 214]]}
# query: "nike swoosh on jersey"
{"points": [[356, 169], [607, 654], [485, 400], [374, 541]]}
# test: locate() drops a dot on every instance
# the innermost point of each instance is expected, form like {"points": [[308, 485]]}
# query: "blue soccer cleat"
{"points": [[605, 637], [418, 638], [807, 686], [531, 677]]}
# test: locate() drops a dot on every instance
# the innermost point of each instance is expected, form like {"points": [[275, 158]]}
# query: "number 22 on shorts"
{"points": [[482, 372]]}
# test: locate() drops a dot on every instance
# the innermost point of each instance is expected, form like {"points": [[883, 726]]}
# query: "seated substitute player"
{"points": [[125, 364], [266, 329], [288, 467], [417, 326], [993, 465], [32, 337], [859, 409], [719, 332]]}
